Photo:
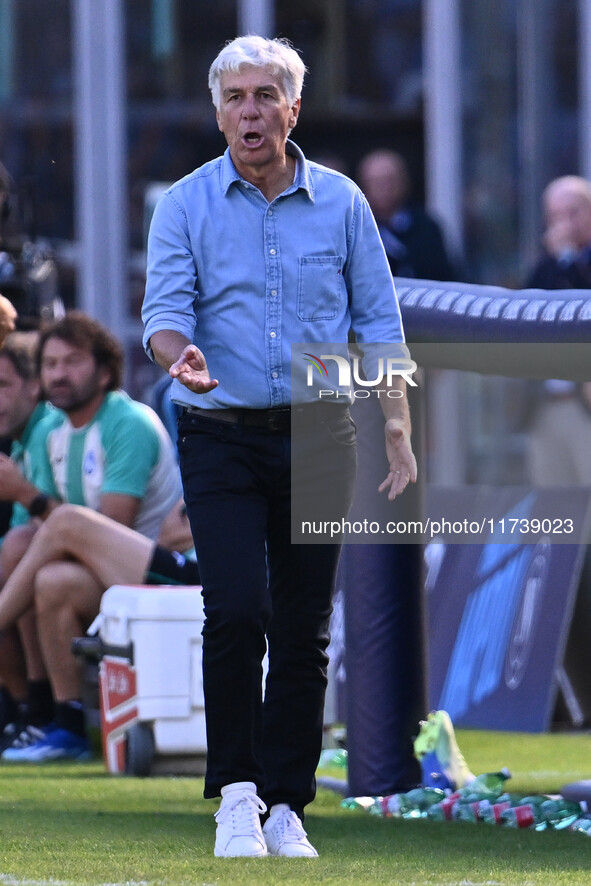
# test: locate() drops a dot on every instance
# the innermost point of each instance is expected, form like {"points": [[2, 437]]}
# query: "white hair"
{"points": [[277, 55]]}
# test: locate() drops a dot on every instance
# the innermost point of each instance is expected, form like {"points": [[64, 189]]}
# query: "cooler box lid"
{"points": [[123, 604]]}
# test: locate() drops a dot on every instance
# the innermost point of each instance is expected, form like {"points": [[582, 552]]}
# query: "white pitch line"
{"points": [[10, 880], [548, 773], [461, 883]]}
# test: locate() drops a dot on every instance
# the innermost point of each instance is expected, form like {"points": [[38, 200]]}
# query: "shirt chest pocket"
{"points": [[321, 288]]}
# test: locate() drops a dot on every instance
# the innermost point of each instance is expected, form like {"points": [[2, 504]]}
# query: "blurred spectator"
{"points": [[559, 444], [11, 240], [7, 323], [412, 239], [20, 413], [566, 263], [7, 318], [28, 272], [102, 450], [560, 439]]}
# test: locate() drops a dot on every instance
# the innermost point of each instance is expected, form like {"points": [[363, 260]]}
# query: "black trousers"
{"points": [[263, 592]]}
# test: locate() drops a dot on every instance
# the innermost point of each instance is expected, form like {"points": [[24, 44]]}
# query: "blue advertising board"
{"points": [[499, 615]]}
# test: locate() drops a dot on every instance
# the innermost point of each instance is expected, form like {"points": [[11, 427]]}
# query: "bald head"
{"points": [[7, 318], [567, 210], [383, 177]]}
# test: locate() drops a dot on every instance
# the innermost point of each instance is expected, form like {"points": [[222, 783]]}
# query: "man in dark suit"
{"points": [[566, 262], [413, 240]]}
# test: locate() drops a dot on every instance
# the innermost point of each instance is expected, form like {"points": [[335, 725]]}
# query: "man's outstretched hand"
{"points": [[192, 372]]}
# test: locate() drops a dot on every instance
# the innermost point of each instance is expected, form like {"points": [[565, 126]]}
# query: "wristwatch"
{"points": [[39, 505]]}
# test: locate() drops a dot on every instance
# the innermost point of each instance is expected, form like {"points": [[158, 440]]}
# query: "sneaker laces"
{"points": [[244, 812], [30, 735], [9, 733], [288, 826], [11, 729]]}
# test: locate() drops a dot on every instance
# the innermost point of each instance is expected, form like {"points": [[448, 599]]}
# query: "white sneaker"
{"points": [[285, 835], [238, 819]]}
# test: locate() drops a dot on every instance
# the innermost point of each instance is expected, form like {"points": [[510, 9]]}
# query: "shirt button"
{"points": [[273, 335], [272, 251], [270, 212], [273, 292], [275, 374]]}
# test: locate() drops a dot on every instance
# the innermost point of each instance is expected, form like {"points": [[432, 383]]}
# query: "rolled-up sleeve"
{"points": [[375, 312], [171, 284]]}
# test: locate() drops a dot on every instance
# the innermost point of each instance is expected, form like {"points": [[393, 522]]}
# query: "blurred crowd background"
{"points": [[486, 102]]}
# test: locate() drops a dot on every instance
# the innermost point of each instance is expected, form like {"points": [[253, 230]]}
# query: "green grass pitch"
{"points": [[75, 824]]}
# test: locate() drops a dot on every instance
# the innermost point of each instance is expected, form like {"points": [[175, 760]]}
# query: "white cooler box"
{"points": [[150, 680]]}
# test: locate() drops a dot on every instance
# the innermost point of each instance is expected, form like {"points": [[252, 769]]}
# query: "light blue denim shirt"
{"points": [[244, 278]]}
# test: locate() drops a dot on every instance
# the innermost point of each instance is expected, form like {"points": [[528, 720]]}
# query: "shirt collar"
{"points": [[302, 181]]}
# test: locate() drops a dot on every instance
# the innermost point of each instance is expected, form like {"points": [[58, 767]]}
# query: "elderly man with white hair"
{"points": [[251, 253]]}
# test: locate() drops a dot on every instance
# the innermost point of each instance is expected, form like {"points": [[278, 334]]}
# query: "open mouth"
{"points": [[252, 139]]}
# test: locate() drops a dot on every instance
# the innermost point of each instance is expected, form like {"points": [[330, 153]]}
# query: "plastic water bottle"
{"points": [[559, 813], [489, 785], [443, 811], [413, 804], [333, 758], [527, 814], [368, 804], [491, 813], [540, 812], [463, 811]]}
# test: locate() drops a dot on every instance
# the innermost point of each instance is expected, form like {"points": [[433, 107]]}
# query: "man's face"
{"points": [[383, 182], [18, 398], [255, 118], [70, 377], [572, 212]]}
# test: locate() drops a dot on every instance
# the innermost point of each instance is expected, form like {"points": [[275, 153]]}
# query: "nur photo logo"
{"points": [[349, 375]]}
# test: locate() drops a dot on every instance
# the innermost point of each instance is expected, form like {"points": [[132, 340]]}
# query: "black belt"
{"points": [[279, 419]]}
